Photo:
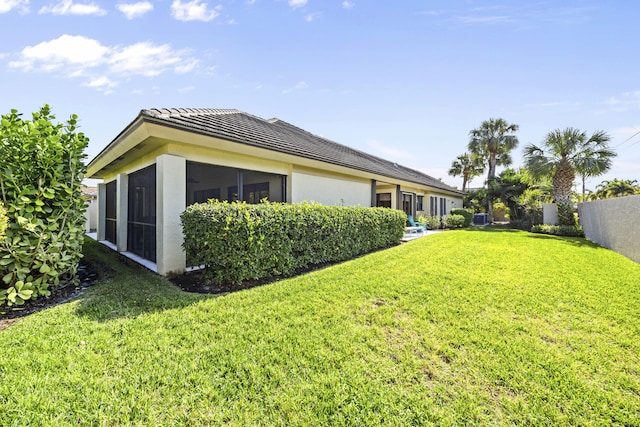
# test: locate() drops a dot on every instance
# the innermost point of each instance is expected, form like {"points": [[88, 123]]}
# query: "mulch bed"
{"points": [[194, 281], [59, 295]]}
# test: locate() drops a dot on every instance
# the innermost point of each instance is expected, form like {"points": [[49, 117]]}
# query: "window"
{"points": [[141, 226], [251, 193], [433, 208], [202, 196], [443, 206], [110, 225], [205, 181], [254, 193], [420, 205], [407, 203], [383, 200]]}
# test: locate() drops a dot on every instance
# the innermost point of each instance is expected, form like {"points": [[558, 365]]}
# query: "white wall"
{"points": [[171, 195], [91, 215], [549, 214], [329, 191], [613, 223]]}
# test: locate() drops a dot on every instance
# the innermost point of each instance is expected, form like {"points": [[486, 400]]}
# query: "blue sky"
{"points": [[404, 80]]}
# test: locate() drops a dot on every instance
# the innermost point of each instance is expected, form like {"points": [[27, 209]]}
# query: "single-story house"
{"points": [[167, 159], [90, 196]]}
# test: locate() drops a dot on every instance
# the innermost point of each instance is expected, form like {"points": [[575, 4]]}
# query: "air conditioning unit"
{"points": [[480, 219]]}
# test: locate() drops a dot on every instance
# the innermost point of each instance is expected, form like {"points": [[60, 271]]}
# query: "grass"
{"points": [[458, 328]]}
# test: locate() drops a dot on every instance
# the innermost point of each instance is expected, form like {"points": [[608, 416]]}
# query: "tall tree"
{"points": [[562, 154], [468, 166], [493, 141]]}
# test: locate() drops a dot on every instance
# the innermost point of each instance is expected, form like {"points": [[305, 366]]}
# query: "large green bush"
{"points": [[466, 213], [41, 171], [239, 241]]}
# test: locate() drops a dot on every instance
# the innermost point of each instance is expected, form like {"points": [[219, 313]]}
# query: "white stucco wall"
{"points": [[549, 214], [91, 215], [171, 197], [329, 191], [613, 223]]}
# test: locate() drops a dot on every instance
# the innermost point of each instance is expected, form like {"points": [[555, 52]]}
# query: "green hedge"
{"points": [[466, 213], [41, 172], [558, 230], [239, 241]]}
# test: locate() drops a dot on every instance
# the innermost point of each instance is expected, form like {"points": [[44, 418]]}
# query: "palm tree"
{"points": [[468, 166], [590, 168], [617, 188], [563, 153], [493, 142]]}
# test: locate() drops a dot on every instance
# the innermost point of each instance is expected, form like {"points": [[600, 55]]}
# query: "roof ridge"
{"points": [[187, 112]]}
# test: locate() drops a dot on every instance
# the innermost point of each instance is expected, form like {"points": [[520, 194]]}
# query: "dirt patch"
{"points": [[59, 295]]}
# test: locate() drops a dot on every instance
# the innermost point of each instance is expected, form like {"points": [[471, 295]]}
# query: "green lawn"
{"points": [[458, 328]]}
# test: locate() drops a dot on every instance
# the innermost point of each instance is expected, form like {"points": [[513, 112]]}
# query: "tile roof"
{"points": [[277, 135]]}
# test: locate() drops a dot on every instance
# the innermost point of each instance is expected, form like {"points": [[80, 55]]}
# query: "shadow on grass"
{"points": [[574, 241], [126, 289]]}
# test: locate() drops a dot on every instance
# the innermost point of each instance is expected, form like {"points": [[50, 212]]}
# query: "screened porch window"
{"points": [[383, 200], [407, 203], [206, 182], [141, 231], [110, 225]]}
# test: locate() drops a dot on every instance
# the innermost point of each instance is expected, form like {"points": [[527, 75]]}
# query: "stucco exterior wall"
{"points": [[613, 223], [550, 214], [91, 215], [329, 190]]}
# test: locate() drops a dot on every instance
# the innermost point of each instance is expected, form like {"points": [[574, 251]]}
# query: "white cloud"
{"points": [[145, 59], [186, 89], [186, 66], [102, 66], [194, 10], [624, 102], [74, 53], [624, 135], [103, 84], [8, 5], [312, 16], [486, 19], [298, 86], [68, 7], [389, 152], [135, 10], [294, 4], [348, 4]]}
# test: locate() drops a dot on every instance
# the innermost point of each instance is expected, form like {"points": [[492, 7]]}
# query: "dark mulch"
{"points": [[59, 295], [194, 281]]}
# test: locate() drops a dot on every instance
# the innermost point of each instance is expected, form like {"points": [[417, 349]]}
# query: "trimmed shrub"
{"points": [[41, 171], [521, 224], [433, 222], [466, 213], [238, 241], [453, 221], [559, 230]]}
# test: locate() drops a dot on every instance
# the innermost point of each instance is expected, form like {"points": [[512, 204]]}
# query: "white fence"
{"points": [[614, 224]]}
